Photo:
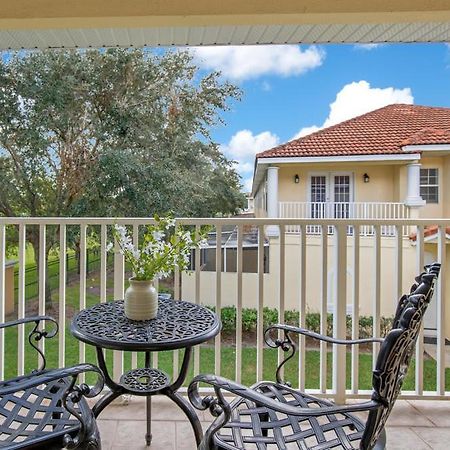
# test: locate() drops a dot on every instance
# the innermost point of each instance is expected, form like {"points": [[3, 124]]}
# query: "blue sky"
{"points": [[293, 90]]}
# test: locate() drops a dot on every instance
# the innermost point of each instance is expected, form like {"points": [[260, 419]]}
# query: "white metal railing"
{"points": [[344, 210], [319, 278]]}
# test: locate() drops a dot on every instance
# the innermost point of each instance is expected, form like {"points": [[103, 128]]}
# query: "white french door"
{"points": [[330, 194]]}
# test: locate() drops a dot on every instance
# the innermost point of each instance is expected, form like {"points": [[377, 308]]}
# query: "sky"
{"points": [[291, 91]]}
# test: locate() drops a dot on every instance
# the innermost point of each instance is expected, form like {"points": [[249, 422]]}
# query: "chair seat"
{"points": [[32, 416], [256, 427]]}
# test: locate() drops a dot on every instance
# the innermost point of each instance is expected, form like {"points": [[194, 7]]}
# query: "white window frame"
{"points": [[330, 184], [431, 185]]}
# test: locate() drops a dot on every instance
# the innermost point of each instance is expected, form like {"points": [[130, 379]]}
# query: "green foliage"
{"points": [[115, 132], [111, 133], [312, 320], [164, 246]]}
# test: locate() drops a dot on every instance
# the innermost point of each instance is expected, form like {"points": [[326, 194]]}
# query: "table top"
{"points": [[179, 324]]}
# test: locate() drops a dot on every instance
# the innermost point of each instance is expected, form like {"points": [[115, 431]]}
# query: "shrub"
{"points": [[270, 317]]}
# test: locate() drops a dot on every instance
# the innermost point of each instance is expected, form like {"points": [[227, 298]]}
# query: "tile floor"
{"points": [[412, 425]]}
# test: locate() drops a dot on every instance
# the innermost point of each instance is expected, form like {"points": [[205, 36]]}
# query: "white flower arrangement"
{"points": [[164, 246]]}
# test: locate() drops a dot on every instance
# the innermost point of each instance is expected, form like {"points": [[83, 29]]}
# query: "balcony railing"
{"points": [[344, 210], [338, 273]]}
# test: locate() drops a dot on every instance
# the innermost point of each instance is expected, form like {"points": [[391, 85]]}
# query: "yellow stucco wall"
{"points": [[381, 187], [313, 277]]}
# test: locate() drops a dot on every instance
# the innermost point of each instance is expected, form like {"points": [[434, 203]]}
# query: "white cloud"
{"points": [[359, 98], [367, 47], [243, 146], [305, 131], [245, 62]]}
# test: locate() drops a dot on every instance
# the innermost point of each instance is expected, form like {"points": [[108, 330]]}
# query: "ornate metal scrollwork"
{"points": [[287, 344], [71, 397], [37, 334], [217, 406]]}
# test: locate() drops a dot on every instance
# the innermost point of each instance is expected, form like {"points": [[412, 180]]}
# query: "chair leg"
{"points": [[381, 443]]}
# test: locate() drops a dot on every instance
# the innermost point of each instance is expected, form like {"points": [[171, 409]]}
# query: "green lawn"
{"points": [[228, 363], [32, 274]]}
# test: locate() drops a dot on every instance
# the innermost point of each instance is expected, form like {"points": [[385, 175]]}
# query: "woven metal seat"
{"points": [[272, 415], [46, 408], [254, 426], [37, 413]]}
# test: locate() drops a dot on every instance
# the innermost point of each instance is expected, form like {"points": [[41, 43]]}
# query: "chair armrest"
{"points": [[220, 383], [314, 335], [53, 375], [35, 319]]}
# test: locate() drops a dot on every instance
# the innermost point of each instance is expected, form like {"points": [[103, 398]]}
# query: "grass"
{"points": [[32, 274], [228, 363]]}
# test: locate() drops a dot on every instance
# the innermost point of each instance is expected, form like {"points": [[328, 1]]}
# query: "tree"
{"points": [[115, 132]]}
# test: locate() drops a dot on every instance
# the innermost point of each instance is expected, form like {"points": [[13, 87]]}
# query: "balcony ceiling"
{"points": [[98, 23]]}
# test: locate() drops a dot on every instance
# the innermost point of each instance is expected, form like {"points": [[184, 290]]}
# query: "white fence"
{"points": [[345, 249], [344, 210]]}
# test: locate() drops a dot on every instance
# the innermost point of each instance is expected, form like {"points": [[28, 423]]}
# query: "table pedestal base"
{"points": [[135, 382]]}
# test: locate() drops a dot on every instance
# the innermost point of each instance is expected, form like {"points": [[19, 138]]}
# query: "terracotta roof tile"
{"points": [[429, 136], [383, 131], [429, 231]]}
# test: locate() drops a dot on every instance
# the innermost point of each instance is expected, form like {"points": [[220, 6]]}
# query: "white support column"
{"points": [[413, 198], [272, 199]]}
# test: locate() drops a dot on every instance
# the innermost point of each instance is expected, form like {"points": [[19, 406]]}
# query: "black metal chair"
{"points": [[47, 409], [272, 415]]}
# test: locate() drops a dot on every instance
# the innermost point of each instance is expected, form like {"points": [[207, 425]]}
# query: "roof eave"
{"points": [[340, 158], [426, 147]]}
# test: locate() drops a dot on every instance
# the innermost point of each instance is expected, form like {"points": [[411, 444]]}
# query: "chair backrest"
{"points": [[396, 352]]}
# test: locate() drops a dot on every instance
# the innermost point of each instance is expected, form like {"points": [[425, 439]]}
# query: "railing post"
{"points": [[419, 342], [376, 309], [323, 308], [239, 270], [83, 272], [302, 311], [62, 294], [355, 310], [218, 338], [340, 312], [260, 307], [441, 311], [21, 299], [2, 297], [42, 277], [119, 293]]}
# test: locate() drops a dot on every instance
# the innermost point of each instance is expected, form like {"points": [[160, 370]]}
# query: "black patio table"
{"points": [[179, 325]]}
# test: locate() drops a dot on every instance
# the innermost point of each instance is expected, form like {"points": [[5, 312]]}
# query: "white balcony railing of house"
{"points": [[344, 210], [346, 250]]}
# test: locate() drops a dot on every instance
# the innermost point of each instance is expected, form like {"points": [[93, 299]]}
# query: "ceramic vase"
{"points": [[141, 300]]}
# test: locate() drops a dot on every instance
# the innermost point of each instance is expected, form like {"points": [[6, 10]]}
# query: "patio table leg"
{"points": [[178, 399], [115, 389], [186, 407], [148, 436]]}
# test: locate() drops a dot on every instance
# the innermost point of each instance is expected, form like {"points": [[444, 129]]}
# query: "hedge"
{"points": [[270, 317]]}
